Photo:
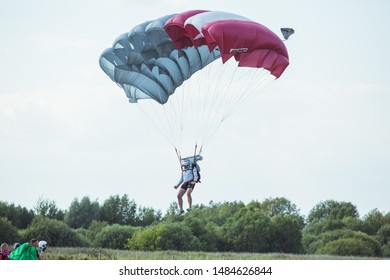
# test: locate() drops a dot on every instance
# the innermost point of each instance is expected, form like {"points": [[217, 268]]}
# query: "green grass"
{"points": [[56, 253]]}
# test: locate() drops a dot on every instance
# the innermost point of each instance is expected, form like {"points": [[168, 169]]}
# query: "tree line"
{"points": [[272, 225]]}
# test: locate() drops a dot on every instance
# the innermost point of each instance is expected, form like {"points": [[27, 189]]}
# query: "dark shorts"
{"points": [[187, 185]]}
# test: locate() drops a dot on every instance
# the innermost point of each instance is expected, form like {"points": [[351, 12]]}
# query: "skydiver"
{"points": [[189, 177]]}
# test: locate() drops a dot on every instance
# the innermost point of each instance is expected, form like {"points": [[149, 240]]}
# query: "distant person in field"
{"points": [[27, 251], [4, 253], [189, 177]]}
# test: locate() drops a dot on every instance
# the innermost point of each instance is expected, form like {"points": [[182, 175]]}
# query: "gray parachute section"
{"points": [[147, 65]]}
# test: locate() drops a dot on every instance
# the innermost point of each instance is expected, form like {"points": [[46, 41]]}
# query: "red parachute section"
{"points": [[250, 43]]}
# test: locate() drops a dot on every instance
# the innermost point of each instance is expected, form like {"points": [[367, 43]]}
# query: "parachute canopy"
{"points": [[287, 32], [156, 57], [174, 61]]}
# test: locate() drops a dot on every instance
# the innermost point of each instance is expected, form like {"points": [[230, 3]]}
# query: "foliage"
{"points": [[164, 236], [286, 233], [315, 244], [386, 250], [323, 225], [114, 236], [147, 216], [84, 235], [219, 213], [374, 220], [208, 233], [81, 214], [332, 209], [55, 232], [8, 233], [352, 223], [276, 206], [19, 216], [272, 225], [347, 247], [47, 208], [119, 210], [249, 231], [95, 228], [383, 234]]}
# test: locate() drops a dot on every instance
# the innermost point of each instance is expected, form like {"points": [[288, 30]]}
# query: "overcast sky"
{"points": [[321, 131]]}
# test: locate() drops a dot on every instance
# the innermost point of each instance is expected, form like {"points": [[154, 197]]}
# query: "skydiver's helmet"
{"points": [[16, 245], [42, 244]]}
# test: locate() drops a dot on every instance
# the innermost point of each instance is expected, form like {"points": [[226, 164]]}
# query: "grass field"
{"points": [[54, 253]]}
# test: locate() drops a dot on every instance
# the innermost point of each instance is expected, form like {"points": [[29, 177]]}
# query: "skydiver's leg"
{"points": [[180, 198], [189, 197]]}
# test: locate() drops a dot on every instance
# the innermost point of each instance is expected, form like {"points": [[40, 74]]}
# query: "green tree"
{"points": [[81, 214], [55, 232], [119, 210], [85, 236], [19, 216], [208, 233], [332, 209], [278, 205], [323, 225], [95, 228], [347, 247], [373, 221], [353, 223], [249, 231], [114, 236], [164, 236], [8, 233], [147, 216], [314, 243], [286, 233], [219, 213], [49, 209], [172, 210], [386, 250]]}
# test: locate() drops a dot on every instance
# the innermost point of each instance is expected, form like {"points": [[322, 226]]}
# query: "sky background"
{"points": [[321, 131]]}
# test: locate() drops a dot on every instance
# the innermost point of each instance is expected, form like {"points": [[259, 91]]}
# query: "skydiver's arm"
{"points": [[195, 175], [181, 180]]}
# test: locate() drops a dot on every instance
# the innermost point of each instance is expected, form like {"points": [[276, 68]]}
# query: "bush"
{"points": [[315, 244], [114, 236], [286, 233], [95, 228], [84, 235], [347, 247], [249, 231], [207, 233], [8, 233], [322, 225], [164, 236], [383, 234], [353, 223], [311, 243], [55, 232], [386, 250]]}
